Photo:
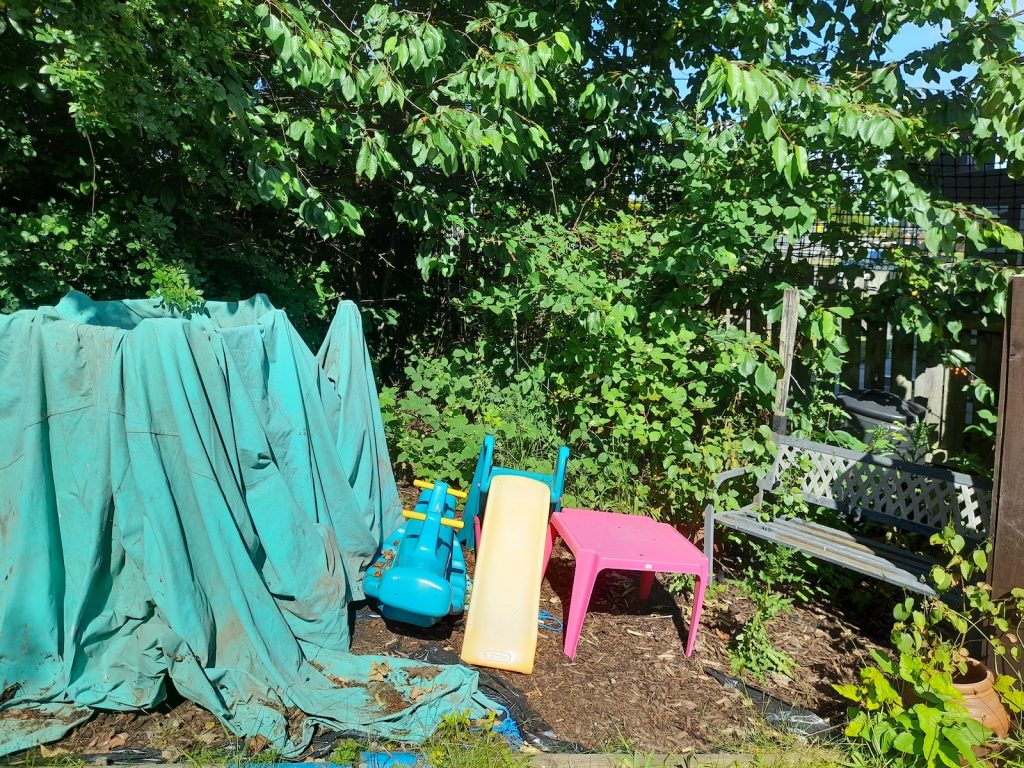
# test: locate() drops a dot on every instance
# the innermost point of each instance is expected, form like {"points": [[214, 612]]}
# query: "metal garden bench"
{"points": [[864, 489]]}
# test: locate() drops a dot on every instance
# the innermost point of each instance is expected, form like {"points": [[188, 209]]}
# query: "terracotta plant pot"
{"points": [[982, 703], [981, 699]]}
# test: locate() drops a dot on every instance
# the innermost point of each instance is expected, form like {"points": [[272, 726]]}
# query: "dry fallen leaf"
{"points": [[48, 752], [116, 742], [378, 672], [258, 743]]}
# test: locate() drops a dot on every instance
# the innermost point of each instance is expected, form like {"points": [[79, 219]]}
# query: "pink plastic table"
{"points": [[603, 540]]}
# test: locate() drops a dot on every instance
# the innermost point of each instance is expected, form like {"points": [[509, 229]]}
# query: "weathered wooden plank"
{"points": [[787, 347], [988, 360], [930, 383], [955, 405], [589, 760], [876, 345], [1007, 566], [988, 357], [853, 332], [757, 322], [901, 370], [691, 760]]}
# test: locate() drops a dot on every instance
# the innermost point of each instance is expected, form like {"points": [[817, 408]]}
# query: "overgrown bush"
{"points": [[592, 340], [907, 711]]}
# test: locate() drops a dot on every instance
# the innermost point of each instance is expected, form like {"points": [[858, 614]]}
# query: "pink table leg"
{"points": [[587, 569], [699, 583], [549, 545], [646, 582]]}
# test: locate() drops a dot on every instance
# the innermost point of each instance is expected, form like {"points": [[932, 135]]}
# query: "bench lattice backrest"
{"points": [[910, 496]]}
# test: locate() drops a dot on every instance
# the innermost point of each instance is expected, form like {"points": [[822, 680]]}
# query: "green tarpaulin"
{"points": [[194, 499]]}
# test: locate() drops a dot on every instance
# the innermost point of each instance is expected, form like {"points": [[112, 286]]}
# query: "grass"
{"points": [[34, 757], [773, 747], [201, 758], [459, 743]]}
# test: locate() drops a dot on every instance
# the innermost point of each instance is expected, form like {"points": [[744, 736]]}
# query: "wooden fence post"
{"points": [[787, 349], [1006, 569]]}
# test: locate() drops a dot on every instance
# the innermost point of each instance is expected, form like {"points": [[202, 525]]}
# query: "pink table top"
{"points": [[630, 542]]}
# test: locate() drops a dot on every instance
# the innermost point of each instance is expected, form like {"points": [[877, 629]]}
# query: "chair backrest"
{"points": [[477, 490], [486, 471], [890, 491], [555, 481]]}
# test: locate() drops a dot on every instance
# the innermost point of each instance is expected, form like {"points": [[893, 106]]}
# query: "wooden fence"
{"points": [[884, 357]]}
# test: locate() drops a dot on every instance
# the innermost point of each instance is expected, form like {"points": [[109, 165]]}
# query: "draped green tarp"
{"points": [[194, 499]]}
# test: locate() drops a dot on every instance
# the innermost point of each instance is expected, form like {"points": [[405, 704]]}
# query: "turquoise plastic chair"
{"points": [[485, 472]]}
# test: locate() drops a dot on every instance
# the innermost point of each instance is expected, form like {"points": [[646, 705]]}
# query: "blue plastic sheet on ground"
{"points": [[195, 499]]}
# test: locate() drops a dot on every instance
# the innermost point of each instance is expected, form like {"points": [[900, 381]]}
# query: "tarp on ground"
{"points": [[195, 499]]}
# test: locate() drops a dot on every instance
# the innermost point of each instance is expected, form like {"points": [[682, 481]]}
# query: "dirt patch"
{"points": [[629, 685], [425, 673], [387, 697], [341, 682], [173, 728], [631, 682], [294, 718]]}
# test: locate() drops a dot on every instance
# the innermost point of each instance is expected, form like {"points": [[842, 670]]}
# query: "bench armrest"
{"points": [[709, 513], [732, 474]]}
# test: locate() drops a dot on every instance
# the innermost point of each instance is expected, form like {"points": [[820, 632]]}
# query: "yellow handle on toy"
{"points": [[413, 515], [430, 486]]}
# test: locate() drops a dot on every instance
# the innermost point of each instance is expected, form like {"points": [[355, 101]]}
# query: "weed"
{"points": [[346, 752], [618, 744], [34, 757], [459, 742], [752, 649]]}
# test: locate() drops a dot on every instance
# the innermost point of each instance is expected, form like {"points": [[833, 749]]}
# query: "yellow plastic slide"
{"points": [[501, 628]]}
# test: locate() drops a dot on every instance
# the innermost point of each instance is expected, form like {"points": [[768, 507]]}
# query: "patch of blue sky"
{"points": [[908, 40], [913, 38]]}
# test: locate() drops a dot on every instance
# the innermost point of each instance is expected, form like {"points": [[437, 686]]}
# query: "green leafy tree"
{"points": [[579, 195]]}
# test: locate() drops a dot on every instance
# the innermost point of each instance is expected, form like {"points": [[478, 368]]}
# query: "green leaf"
{"points": [[933, 240], [562, 40], [801, 159], [362, 158], [928, 719], [904, 742], [780, 153], [980, 559], [848, 692], [733, 80], [273, 28], [764, 378]]}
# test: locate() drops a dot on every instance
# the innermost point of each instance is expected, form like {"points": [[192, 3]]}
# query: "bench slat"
{"points": [[865, 556]]}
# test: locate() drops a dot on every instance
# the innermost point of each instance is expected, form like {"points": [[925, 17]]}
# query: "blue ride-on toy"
{"points": [[420, 575]]}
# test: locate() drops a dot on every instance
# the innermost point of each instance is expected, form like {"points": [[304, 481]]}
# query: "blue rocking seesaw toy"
{"points": [[420, 575]]}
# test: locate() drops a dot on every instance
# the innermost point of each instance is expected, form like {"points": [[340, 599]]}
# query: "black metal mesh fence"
{"points": [[861, 240]]}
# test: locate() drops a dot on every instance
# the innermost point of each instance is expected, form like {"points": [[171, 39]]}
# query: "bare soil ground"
{"points": [[630, 684]]}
